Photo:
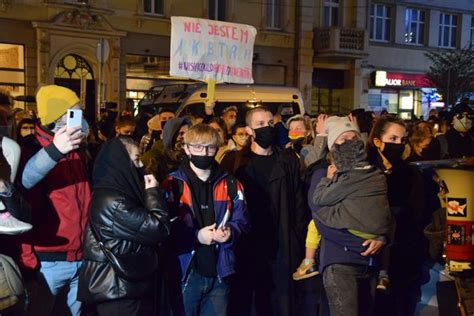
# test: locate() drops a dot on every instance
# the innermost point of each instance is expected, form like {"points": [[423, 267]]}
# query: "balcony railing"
{"points": [[343, 42]]}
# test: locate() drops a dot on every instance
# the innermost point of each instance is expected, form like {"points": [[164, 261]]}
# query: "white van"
{"points": [[190, 99], [284, 100]]}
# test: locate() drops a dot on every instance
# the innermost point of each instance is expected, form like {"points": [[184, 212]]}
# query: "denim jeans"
{"points": [[350, 289], [56, 291], [205, 296]]}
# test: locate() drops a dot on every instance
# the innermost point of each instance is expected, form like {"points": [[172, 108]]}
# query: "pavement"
{"points": [[428, 305]]}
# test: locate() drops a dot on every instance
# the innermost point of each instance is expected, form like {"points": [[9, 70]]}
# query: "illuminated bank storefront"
{"points": [[401, 93]]}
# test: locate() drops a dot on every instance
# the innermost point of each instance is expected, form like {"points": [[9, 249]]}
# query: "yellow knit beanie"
{"points": [[53, 102]]}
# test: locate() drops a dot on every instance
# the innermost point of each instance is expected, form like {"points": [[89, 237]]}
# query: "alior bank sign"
{"points": [[394, 79]]}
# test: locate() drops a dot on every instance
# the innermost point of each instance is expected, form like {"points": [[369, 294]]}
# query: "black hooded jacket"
{"points": [[163, 158], [127, 219]]}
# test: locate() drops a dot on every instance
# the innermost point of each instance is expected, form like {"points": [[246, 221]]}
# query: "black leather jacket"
{"points": [[126, 229]]}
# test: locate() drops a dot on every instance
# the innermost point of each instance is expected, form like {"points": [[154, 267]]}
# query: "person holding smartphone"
{"points": [[56, 177]]}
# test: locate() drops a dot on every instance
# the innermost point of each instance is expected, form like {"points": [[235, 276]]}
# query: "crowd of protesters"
{"points": [[232, 213]]}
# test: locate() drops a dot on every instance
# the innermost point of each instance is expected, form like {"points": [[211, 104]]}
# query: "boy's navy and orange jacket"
{"points": [[185, 230]]}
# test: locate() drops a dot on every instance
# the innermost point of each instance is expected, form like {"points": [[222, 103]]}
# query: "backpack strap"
{"points": [[177, 189], [237, 160], [231, 188]]}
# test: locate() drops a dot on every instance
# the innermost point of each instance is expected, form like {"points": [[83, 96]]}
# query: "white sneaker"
{"points": [[9, 225]]}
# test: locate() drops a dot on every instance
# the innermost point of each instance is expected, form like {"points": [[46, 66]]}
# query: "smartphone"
{"points": [[74, 118]]}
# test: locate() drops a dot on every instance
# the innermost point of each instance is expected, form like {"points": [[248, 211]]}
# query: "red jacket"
{"points": [[59, 204]]}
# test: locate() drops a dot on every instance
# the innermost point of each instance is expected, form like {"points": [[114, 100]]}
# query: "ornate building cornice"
{"points": [[82, 20]]}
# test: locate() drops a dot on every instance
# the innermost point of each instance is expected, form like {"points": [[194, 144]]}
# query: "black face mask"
{"points": [[155, 135], [298, 144], [27, 139], [393, 152], [202, 162], [163, 124], [265, 136], [349, 155]]}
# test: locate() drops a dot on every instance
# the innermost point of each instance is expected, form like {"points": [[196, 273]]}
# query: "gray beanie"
{"points": [[336, 125]]}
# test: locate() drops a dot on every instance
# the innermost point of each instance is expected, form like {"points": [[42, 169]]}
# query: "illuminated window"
{"points": [[12, 69], [414, 26], [73, 67]]}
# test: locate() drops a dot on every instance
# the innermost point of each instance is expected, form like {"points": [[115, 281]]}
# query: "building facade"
{"points": [[50, 41], [332, 50], [400, 33]]}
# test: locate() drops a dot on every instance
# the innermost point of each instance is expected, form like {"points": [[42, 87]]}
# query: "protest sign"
{"points": [[211, 50]]}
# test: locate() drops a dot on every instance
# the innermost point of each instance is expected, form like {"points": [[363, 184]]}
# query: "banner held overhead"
{"points": [[211, 50]]}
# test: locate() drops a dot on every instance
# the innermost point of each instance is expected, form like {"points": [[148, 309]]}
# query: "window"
{"points": [[273, 14], [414, 26], [472, 32], [12, 70], [447, 30], [73, 66], [154, 7], [77, 1], [331, 13], [380, 22], [217, 10]]}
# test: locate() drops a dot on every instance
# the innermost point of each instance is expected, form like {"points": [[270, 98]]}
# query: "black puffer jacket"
{"points": [[129, 221], [126, 229]]}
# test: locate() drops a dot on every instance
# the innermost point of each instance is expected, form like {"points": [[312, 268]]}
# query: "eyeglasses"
{"points": [[198, 148]]}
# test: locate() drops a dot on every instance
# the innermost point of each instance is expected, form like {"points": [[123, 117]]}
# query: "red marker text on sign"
{"points": [[225, 31], [191, 27]]}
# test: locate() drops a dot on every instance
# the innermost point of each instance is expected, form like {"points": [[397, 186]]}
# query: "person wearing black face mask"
{"points": [[279, 216], [214, 219], [386, 150], [166, 154], [352, 233]]}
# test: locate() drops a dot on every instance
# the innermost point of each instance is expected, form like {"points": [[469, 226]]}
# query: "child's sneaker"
{"points": [[307, 269], [9, 225], [383, 283]]}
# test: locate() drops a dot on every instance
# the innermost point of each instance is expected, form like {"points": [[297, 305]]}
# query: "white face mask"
{"points": [[462, 125]]}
